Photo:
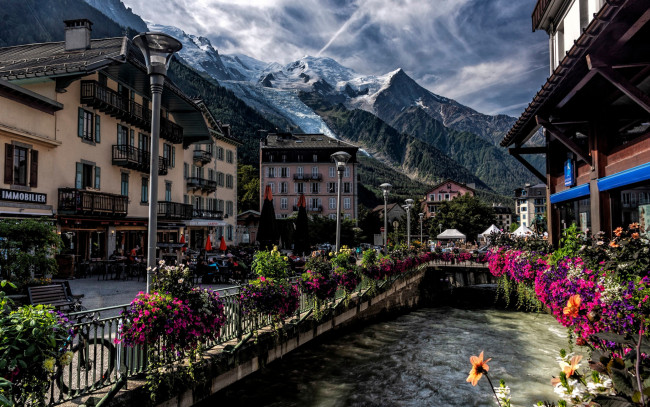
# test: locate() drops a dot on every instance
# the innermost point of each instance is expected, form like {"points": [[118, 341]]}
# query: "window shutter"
{"points": [[132, 138], [78, 175], [97, 128], [9, 164], [97, 177], [173, 156], [33, 169], [80, 129]]}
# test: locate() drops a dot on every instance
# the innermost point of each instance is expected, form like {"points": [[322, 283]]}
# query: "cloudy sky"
{"points": [[482, 53]]}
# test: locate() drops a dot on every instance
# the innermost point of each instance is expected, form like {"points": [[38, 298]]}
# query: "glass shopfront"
{"points": [[631, 204], [577, 211]]}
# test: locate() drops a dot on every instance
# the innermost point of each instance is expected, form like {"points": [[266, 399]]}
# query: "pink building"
{"points": [[445, 191], [292, 164]]}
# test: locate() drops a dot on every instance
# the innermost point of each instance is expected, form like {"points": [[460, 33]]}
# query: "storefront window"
{"points": [[631, 205], [577, 212]]}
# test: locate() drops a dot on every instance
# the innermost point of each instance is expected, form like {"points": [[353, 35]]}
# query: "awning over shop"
{"points": [[571, 193], [623, 178], [205, 222]]}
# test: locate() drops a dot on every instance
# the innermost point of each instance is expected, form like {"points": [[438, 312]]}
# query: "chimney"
{"points": [[77, 34]]}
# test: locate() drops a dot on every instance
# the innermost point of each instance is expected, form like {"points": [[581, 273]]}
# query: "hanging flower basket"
{"points": [[320, 285], [275, 298]]}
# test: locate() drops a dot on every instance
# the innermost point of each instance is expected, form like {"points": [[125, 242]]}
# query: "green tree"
{"points": [[248, 188], [465, 213], [27, 246], [514, 226]]}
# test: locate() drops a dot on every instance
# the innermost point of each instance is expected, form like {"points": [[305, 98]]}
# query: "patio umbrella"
{"points": [[183, 242], [222, 245], [208, 245], [267, 233], [301, 240]]}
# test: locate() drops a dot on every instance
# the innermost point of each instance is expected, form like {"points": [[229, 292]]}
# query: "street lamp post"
{"points": [[409, 203], [386, 187], [157, 49], [341, 159], [421, 215]]}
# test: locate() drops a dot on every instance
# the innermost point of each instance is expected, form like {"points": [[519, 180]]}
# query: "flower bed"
{"points": [[277, 299]]}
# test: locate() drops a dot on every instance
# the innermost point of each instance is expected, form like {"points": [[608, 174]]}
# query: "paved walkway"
{"points": [[108, 293]]}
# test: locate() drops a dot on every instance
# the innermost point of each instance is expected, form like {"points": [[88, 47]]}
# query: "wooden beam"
{"points": [[527, 150], [620, 82], [562, 138], [583, 82], [634, 29], [528, 165]]}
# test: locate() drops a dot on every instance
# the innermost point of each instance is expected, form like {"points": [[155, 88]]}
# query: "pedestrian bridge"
{"points": [[240, 353]]}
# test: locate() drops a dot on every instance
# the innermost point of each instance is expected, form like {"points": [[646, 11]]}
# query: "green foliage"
{"points": [[27, 246], [570, 244], [270, 264], [465, 213], [248, 185]]}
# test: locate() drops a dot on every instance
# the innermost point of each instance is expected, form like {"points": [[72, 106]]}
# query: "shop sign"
{"points": [[22, 196], [569, 173]]}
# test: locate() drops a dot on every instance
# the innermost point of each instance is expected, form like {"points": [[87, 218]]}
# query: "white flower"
{"points": [[180, 281]]}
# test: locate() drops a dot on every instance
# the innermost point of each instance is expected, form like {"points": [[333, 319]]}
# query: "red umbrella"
{"points": [[222, 245], [208, 245], [183, 242]]}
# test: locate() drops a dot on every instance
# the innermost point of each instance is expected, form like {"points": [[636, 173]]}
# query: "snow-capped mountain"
{"points": [[118, 12]]}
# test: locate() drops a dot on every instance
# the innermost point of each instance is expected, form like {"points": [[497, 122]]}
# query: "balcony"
{"points": [[207, 214], [538, 13], [202, 157], [206, 185], [136, 159], [74, 201], [112, 103], [300, 177], [315, 209], [174, 210]]}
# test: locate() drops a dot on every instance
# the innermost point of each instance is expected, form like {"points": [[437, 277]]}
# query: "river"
{"points": [[417, 359]]}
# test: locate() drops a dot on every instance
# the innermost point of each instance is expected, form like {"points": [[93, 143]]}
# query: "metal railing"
{"points": [[207, 185], [74, 201], [109, 361], [174, 210], [133, 158]]}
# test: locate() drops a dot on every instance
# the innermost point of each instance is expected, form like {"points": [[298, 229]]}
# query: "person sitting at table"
{"points": [[115, 255], [133, 256]]}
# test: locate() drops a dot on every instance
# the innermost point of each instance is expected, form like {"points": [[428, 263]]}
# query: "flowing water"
{"points": [[418, 359]]}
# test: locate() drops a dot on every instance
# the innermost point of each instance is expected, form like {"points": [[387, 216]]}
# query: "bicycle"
{"points": [[93, 359]]}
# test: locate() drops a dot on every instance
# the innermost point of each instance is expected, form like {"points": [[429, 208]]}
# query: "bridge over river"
{"points": [[239, 353]]}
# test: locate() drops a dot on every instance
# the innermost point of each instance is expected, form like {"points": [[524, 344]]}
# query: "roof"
{"points": [[451, 234], [620, 28], [26, 96], [304, 141], [491, 229], [389, 207], [522, 231], [438, 185], [25, 63], [215, 126], [500, 210]]}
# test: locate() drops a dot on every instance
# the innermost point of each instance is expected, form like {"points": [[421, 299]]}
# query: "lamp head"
{"points": [[340, 158], [157, 49], [386, 187], [409, 202], [421, 215]]}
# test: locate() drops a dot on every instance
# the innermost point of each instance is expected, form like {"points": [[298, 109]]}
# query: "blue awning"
{"points": [[571, 193], [623, 178]]}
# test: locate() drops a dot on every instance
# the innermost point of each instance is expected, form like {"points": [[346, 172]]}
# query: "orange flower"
{"points": [[613, 244], [572, 306], [570, 368], [634, 225], [635, 235], [618, 231], [479, 367]]}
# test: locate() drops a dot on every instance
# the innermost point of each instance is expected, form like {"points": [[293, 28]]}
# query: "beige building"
{"points": [[295, 164], [75, 122], [210, 172]]}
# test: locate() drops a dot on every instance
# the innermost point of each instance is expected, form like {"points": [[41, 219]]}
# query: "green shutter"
{"points": [[80, 129], [78, 175], [97, 177], [97, 128], [173, 156]]}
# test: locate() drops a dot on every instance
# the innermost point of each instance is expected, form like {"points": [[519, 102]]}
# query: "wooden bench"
{"points": [[55, 295]]}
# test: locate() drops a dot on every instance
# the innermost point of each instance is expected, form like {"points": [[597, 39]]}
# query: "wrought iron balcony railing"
{"points": [[174, 210], [207, 214], [136, 159], [206, 185], [202, 156], [74, 201]]}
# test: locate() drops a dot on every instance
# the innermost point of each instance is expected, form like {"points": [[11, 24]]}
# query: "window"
{"points": [[19, 165], [346, 203], [229, 157], [272, 186], [143, 142], [210, 174], [122, 135], [124, 184], [332, 203], [283, 187], [314, 203], [346, 187], [89, 126], [523, 217], [346, 174], [284, 172], [220, 205], [220, 153], [524, 209], [315, 187], [186, 170], [440, 197], [229, 181], [270, 172], [432, 197], [229, 208], [208, 148], [446, 197], [299, 171], [168, 191], [332, 172], [87, 175], [332, 216], [220, 179], [284, 203], [331, 187], [300, 188], [229, 232], [314, 172], [169, 154], [346, 216], [144, 191], [315, 158]]}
